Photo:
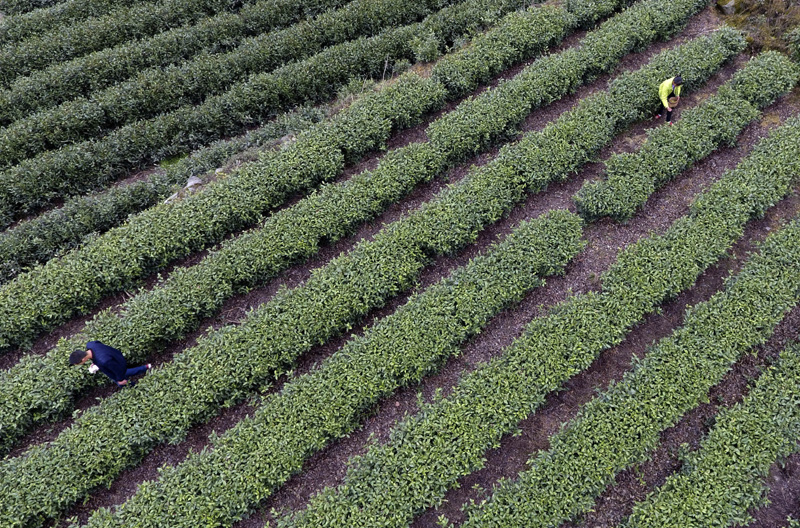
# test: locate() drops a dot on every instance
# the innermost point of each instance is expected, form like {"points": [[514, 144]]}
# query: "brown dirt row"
{"points": [[783, 482]]}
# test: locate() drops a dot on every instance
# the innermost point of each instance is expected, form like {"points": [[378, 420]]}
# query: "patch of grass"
{"points": [[770, 119], [169, 162], [766, 22]]}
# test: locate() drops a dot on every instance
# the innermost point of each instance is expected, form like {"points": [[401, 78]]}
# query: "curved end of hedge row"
{"points": [[589, 12], [632, 178], [793, 40]]}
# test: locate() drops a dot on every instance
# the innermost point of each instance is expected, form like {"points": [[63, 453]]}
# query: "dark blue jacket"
{"points": [[109, 360]]}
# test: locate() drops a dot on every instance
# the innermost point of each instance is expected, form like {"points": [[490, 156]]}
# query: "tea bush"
{"points": [[63, 81], [159, 90], [620, 427], [57, 44], [724, 478]]}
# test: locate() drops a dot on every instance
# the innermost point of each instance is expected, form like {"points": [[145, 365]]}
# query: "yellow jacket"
{"points": [[665, 90]]}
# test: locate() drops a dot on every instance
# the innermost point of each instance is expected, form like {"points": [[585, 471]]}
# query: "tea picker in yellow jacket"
{"points": [[670, 94]]}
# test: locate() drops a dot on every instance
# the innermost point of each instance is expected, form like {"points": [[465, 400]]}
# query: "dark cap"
{"points": [[678, 80]]}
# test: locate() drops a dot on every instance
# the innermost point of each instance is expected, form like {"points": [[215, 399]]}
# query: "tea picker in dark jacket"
{"points": [[108, 360]]}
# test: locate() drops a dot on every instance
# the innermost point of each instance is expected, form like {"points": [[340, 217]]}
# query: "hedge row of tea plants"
{"points": [[38, 240], [10, 7], [722, 480], [64, 81], [331, 401], [78, 168], [428, 453], [233, 361], [632, 178], [149, 241], [85, 36], [223, 367], [75, 9], [459, 133], [793, 40], [176, 306], [14, 27], [161, 90], [623, 425]]}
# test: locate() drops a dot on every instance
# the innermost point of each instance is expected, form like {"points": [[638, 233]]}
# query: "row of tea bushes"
{"points": [[15, 27], [632, 178], [793, 39], [85, 36], [459, 75], [724, 478], [64, 81], [78, 168], [623, 425], [46, 8], [159, 90]]}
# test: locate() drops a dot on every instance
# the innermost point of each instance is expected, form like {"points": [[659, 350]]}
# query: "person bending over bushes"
{"points": [[670, 94], [107, 360]]}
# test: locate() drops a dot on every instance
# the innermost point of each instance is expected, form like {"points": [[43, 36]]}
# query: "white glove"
{"points": [[93, 369]]}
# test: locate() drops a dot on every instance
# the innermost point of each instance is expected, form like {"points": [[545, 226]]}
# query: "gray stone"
{"points": [[728, 7], [194, 180]]}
